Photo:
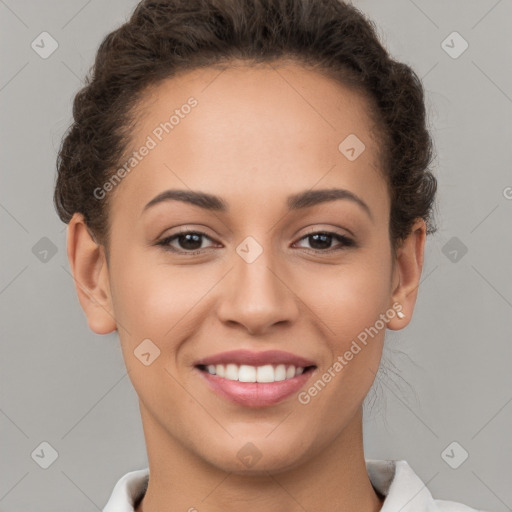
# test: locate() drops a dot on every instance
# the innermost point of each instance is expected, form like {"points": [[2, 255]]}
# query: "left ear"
{"points": [[407, 274]]}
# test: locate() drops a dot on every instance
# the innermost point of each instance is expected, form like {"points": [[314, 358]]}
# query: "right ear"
{"points": [[90, 273]]}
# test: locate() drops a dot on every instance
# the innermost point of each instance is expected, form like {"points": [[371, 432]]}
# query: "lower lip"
{"points": [[255, 394]]}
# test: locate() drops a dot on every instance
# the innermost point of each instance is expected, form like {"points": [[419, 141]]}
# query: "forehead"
{"points": [[261, 129]]}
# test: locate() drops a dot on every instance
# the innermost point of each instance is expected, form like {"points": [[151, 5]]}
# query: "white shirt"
{"points": [[403, 490]]}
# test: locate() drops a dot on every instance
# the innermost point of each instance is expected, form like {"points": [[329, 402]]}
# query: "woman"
{"points": [[248, 196]]}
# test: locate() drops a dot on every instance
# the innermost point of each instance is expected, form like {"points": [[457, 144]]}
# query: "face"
{"points": [[262, 268]]}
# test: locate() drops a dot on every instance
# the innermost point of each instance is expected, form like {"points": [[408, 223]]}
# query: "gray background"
{"points": [[64, 385]]}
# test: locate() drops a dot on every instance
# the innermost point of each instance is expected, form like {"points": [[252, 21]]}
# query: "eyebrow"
{"points": [[298, 201]]}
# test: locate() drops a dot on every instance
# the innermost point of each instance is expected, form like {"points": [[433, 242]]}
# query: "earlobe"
{"points": [[408, 267], [90, 273]]}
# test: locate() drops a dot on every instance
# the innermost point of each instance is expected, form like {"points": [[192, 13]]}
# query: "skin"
{"points": [[253, 149]]}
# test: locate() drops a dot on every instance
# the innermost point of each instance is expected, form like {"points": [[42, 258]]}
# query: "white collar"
{"points": [[403, 489]]}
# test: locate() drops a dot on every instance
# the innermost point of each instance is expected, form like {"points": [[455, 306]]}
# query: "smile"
{"points": [[255, 378], [247, 373]]}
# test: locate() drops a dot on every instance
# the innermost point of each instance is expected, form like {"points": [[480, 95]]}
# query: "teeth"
{"points": [[280, 372], [247, 373], [231, 372], [290, 372]]}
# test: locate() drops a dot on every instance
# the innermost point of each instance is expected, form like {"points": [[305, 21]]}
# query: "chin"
{"points": [[258, 456]]}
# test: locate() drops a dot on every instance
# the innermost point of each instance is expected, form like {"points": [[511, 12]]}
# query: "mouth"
{"points": [[262, 374], [255, 378]]}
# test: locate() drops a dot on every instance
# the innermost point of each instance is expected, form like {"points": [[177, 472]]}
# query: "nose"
{"points": [[258, 295]]}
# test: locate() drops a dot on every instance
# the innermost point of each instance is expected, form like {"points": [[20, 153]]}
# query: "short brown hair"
{"points": [[164, 37]]}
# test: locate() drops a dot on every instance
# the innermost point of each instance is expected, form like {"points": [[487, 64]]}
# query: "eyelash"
{"points": [[346, 242]]}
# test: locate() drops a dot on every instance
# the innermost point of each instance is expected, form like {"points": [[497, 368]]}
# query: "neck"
{"points": [[334, 479]]}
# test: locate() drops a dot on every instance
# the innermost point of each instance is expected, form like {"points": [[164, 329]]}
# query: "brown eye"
{"points": [[187, 241], [190, 242], [321, 241]]}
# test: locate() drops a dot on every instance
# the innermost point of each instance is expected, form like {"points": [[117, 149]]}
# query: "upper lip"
{"points": [[252, 358]]}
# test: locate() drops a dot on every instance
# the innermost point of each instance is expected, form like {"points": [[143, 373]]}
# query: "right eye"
{"points": [[190, 242]]}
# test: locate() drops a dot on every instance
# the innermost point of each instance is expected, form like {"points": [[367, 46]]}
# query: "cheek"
{"points": [[346, 298], [150, 298], [349, 300], [349, 305]]}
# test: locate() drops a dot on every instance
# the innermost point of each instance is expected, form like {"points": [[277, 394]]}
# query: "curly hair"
{"points": [[165, 37]]}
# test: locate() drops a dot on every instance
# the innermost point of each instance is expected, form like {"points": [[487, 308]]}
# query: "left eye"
{"points": [[192, 241], [323, 238]]}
